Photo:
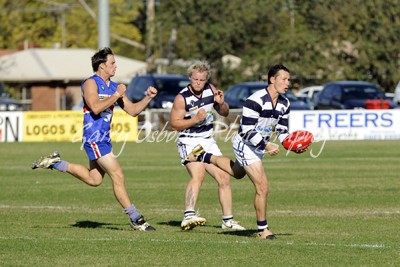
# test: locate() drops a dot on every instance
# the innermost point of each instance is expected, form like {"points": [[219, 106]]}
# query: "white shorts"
{"points": [[245, 154], [186, 145]]}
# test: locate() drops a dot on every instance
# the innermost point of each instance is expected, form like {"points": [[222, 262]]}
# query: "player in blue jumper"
{"points": [[100, 95]]}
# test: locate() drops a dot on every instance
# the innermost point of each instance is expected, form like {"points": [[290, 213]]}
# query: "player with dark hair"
{"points": [[264, 112], [100, 94]]}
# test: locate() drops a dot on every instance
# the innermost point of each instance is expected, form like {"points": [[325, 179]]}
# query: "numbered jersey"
{"points": [[193, 104], [96, 128]]}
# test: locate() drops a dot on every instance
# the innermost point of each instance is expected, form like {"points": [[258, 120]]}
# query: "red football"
{"points": [[298, 140]]}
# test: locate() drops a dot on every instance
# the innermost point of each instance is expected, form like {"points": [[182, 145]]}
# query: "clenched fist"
{"points": [[121, 89], [201, 115], [151, 92], [219, 97]]}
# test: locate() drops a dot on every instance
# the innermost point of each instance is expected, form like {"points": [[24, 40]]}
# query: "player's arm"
{"points": [[282, 128], [92, 97], [178, 112], [134, 109], [219, 102]]}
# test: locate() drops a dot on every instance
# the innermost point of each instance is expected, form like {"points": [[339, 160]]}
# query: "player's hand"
{"points": [[201, 115], [151, 92], [121, 89], [219, 97], [272, 149]]}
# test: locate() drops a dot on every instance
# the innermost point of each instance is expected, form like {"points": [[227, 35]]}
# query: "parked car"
{"points": [[391, 98], [9, 104], [351, 95], [238, 93], [396, 98], [310, 93], [168, 86]]}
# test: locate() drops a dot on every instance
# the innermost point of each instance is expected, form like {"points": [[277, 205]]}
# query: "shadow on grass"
{"points": [[178, 224], [93, 225], [249, 233], [171, 223]]}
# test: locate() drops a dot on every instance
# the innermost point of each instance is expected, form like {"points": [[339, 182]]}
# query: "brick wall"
{"points": [[46, 98]]}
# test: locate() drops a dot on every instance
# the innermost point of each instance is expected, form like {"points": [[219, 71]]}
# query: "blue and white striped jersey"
{"points": [[260, 119], [193, 104]]}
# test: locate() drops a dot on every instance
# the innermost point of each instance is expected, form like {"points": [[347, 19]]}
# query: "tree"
{"points": [[349, 40], [211, 29], [319, 40], [68, 24], [371, 34]]}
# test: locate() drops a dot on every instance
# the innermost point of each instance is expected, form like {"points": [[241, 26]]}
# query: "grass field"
{"points": [[341, 208]]}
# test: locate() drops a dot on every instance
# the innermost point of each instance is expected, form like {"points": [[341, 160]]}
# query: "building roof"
{"points": [[56, 64]]}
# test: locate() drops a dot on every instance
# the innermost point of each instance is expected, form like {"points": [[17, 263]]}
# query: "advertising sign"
{"points": [[67, 126], [365, 124], [11, 126]]}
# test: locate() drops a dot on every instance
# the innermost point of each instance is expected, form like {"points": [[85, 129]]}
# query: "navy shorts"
{"points": [[96, 150]]}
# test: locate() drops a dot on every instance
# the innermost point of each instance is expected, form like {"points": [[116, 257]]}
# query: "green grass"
{"points": [[341, 208]]}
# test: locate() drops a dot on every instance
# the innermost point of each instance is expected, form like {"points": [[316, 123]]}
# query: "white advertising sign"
{"points": [[366, 124], [11, 123]]}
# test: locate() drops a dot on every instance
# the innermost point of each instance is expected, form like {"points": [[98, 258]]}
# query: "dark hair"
{"points": [[100, 57], [273, 71]]}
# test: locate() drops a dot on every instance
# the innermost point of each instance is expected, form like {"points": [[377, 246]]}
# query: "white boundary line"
{"points": [[289, 243]]}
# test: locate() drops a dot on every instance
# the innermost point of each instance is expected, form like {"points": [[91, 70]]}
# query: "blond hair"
{"points": [[200, 66]]}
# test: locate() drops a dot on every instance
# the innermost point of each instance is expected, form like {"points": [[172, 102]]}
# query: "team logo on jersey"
{"points": [[192, 103], [265, 130], [102, 87]]}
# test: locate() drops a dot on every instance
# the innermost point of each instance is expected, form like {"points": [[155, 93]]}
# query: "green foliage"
{"points": [[66, 23], [356, 40], [339, 209], [318, 40]]}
